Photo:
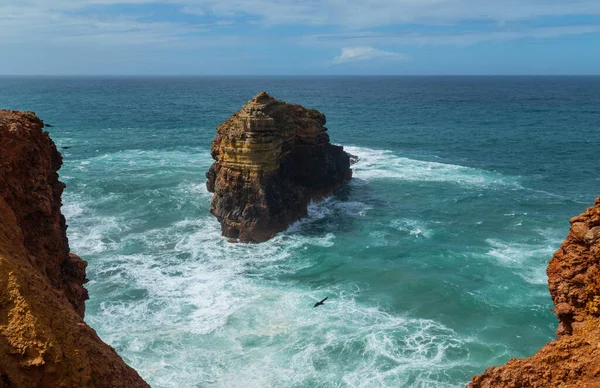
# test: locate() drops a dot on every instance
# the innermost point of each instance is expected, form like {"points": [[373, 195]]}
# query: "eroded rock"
{"points": [[573, 359], [271, 160], [44, 341]]}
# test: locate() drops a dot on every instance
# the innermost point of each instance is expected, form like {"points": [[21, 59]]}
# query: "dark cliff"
{"points": [[44, 341]]}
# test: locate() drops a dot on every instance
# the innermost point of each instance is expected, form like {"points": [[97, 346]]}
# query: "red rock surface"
{"points": [[29, 184], [573, 359], [44, 341], [272, 159]]}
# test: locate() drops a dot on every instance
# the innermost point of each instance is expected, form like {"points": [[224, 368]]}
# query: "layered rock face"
{"points": [[44, 341], [573, 359], [272, 159]]}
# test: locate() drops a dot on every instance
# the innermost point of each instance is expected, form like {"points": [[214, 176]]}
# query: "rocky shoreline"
{"points": [[44, 341], [573, 359]]}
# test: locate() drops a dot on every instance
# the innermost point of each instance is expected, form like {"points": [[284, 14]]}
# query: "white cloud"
{"points": [[29, 20], [63, 22], [353, 14], [347, 13], [60, 27], [365, 53], [40, 21], [458, 38]]}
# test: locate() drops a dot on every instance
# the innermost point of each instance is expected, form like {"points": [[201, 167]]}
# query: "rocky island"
{"points": [[271, 160], [573, 359], [44, 341]]}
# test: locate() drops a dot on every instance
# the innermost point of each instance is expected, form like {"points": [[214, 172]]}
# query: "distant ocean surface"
{"points": [[433, 257]]}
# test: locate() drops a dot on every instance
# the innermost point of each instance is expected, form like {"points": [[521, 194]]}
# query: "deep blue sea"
{"points": [[433, 257]]}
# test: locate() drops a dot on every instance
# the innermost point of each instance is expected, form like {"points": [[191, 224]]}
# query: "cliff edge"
{"points": [[573, 359], [271, 159], [44, 341]]}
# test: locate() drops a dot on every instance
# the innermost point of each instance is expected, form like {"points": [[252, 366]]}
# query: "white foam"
{"points": [[189, 309], [72, 208], [415, 228], [209, 317], [89, 233], [356, 208], [143, 163], [326, 209], [383, 164], [529, 261]]}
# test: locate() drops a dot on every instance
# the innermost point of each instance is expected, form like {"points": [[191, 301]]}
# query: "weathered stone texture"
{"points": [[271, 160]]}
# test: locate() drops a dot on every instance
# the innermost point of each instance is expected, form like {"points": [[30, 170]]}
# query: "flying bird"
{"points": [[320, 303]]}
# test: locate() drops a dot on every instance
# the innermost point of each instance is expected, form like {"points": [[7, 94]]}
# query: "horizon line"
{"points": [[299, 75]]}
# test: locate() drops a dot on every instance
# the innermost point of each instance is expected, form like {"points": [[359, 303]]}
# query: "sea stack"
{"points": [[44, 341], [573, 359], [271, 160]]}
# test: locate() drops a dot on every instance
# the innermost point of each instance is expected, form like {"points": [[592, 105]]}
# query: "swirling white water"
{"points": [[186, 308]]}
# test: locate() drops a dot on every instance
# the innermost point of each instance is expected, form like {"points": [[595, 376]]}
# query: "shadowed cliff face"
{"points": [[43, 339], [573, 360], [272, 159], [29, 184]]}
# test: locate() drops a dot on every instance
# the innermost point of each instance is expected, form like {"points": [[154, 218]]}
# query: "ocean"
{"points": [[433, 257]]}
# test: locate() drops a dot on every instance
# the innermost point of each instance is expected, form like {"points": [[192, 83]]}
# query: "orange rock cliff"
{"points": [[271, 160], [573, 359], [44, 341]]}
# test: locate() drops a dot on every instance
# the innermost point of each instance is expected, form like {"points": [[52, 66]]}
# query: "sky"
{"points": [[299, 37]]}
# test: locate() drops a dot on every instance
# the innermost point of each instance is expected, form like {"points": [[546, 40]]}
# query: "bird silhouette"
{"points": [[320, 303]]}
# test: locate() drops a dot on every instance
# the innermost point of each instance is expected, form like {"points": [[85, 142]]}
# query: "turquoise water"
{"points": [[433, 257]]}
